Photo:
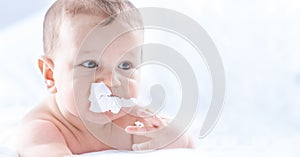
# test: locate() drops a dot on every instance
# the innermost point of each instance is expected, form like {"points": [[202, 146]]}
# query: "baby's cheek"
{"points": [[72, 108], [65, 101], [134, 83], [129, 85], [81, 89], [133, 87]]}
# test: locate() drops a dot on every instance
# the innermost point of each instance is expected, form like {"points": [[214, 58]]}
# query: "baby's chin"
{"points": [[95, 118], [101, 118]]}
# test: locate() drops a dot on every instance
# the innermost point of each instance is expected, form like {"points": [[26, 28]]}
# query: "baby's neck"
{"points": [[77, 136]]}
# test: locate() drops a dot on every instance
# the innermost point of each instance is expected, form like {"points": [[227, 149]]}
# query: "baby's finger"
{"points": [[137, 130], [154, 122], [144, 113], [141, 146], [149, 145]]}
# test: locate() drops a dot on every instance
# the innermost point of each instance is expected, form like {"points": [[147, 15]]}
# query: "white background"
{"points": [[259, 44]]}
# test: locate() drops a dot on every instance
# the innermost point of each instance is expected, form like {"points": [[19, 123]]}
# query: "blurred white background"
{"points": [[259, 44]]}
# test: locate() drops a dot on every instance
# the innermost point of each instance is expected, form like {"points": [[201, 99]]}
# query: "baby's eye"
{"points": [[89, 64], [125, 65]]}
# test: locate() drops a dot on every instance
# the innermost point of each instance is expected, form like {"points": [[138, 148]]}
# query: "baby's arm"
{"points": [[41, 138]]}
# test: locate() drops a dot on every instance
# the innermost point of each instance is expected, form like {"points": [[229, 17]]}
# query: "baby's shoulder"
{"points": [[40, 112], [39, 119]]}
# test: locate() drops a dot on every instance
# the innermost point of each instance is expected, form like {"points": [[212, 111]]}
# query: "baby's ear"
{"points": [[46, 67]]}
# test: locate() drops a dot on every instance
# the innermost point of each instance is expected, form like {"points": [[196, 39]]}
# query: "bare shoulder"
{"points": [[38, 134], [39, 123], [39, 131], [41, 137]]}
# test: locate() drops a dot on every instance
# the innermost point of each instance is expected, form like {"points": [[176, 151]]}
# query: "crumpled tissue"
{"points": [[102, 100]]}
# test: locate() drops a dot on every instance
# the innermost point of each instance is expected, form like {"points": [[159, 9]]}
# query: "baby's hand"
{"points": [[146, 126], [158, 129]]}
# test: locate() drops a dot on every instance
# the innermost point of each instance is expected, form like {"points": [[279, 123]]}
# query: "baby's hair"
{"points": [[63, 9]]}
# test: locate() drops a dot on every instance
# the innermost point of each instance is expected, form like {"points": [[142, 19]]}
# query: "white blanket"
{"points": [[6, 152], [157, 153]]}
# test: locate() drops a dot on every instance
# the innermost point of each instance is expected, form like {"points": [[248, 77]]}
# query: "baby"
{"points": [[91, 58]]}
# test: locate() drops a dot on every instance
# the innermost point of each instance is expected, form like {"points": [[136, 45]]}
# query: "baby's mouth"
{"points": [[113, 95]]}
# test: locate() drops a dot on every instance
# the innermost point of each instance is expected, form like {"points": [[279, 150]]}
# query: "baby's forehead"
{"points": [[90, 37], [113, 25], [74, 30], [107, 46], [116, 35]]}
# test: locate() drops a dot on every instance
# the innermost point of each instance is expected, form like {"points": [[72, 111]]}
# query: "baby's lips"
{"points": [[114, 95]]}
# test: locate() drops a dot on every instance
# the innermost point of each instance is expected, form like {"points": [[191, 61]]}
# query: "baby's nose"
{"points": [[109, 79]]}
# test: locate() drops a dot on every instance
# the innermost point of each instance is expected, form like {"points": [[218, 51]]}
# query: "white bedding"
{"points": [[8, 142], [157, 153], [6, 152]]}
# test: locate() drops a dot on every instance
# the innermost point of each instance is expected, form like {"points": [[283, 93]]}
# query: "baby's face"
{"points": [[104, 55]]}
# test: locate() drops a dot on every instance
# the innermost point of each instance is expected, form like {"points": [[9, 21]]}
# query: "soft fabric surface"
{"points": [[157, 153], [6, 152]]}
